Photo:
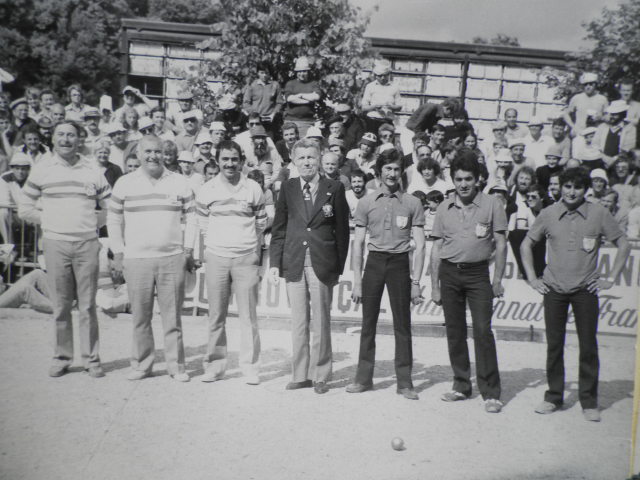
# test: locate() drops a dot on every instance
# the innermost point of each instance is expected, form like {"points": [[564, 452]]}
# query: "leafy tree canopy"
{"points": [[329, 33], [614, 54], [184, 11]]}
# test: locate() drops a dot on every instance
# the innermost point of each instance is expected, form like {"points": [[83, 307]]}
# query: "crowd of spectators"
{"points": [[520, 162]]}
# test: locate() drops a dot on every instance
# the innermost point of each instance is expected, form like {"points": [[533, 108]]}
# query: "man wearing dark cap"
{"points": [[469, 227]]}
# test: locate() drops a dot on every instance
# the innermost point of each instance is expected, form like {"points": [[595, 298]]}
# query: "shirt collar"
{"points": [[222, 180], [312, 183], [477, 200], [616, 128], [382, 192], [140, 172], [61, 161], [582, 209]]}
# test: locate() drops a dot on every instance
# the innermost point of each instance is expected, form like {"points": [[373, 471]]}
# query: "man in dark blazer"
{"points": [[309, 245]]}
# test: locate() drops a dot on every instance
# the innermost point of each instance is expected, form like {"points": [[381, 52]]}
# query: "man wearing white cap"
{"points": [[11, 183], [118, 135], [174, 113], [301, 95], [91, 125], [203, 153], [381, 98], [616, 135], [191, 126], [599, 184], [365, 154], [536, 144], [187, 164], [589, 100]]}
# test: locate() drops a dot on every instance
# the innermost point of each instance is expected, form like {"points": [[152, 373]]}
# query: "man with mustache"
{"points": [[70, 188], [145, 218], [573, 229], [469, 226], [309, 244], [263, 156]]}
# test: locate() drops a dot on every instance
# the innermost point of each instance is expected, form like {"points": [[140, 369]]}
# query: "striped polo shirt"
{"points": [[233, 216], [69, 196], [145, 217]]}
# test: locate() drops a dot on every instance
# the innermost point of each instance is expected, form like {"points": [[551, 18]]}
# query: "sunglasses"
{"points": [[190, 120]]}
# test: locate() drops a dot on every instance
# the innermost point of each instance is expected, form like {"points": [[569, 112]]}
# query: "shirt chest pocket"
{"points": [[590, 241], [402, 218]]}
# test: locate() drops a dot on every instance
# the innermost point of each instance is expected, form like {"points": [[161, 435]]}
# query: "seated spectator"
{"points": [[11, 184], [132, 164], [354, 126], [513, 129], [599, 184], [609, 200], [75, 109], [170, 156], [425, 117], [625, 89], [381, 97], [21, 121], [203, 154], [245, 140], [633, 225], [111, 171], [365, 155], [186, 163], [290, 136], [584, 149], [211, 170], [428, 178], [160, 124], [330, 168], [553, 158], [33, 290], [33, 146]]}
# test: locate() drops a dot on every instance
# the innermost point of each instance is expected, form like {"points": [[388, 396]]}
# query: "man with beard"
{"points": [[616, 135], [309, 244], [392, 219], [263, 156], [70, 187], [357, 191], [45, 127], [469, 228], [573, 229], [231, 210], [146, 213]]}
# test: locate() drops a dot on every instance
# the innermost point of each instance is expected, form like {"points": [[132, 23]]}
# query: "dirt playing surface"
{"points": [[76, 427]]}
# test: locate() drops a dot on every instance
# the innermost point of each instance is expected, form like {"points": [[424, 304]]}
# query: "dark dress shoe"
{"points": [[297, 385], [408, 393], [359, 387], [320, 387]]}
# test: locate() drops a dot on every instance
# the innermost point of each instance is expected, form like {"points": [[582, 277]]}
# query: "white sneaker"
{"points": [[252, 380]]}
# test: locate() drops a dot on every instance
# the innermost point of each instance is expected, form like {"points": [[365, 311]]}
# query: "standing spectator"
{"points": [[187, 164], [616, 135], [58, 113], [553, 190], [357, 190], [391, 219], [21, 121], [70, 187], [176, 115], [160, 130], [119, 145], [47, 99], [32, 94], [231, 210], [130, 123], [309, 244], [587, 107], [91, 125], [146, 211], [234, 119], [11, 184], [203, 154], [33, 145], [130, 95], [76, 107], [513, 129], [625, 88], [381, 97], [468, 229], [552, 157], [518, 149], [599, 184], [302, 96], [354, 127], [560, 136], [536, 144], [330, 164], [610, 201], [106, 113], [190, 127], [170, 156], [263, 156], [573, 229], [264, 97], [290, 136]]}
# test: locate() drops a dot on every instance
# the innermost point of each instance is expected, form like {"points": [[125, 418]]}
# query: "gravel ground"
{"points": [[76, 427]]}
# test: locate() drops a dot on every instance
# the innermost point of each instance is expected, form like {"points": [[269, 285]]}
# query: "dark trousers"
{"points": [[392, 270], [586, 310], [459, 286]]}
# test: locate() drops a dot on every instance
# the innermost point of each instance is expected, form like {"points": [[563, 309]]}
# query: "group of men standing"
{"points": [[153, 218]]}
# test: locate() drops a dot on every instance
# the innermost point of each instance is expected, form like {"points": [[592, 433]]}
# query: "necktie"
{"points": [[308, 201]]}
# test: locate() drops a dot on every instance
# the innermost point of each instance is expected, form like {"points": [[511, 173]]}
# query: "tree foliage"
{"points": [[184, 11], [499, 39], [614, 54], [56, 43], [330, 33]]}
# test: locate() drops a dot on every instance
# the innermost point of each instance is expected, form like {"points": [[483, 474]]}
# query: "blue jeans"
{"points": [[457, 287]]}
